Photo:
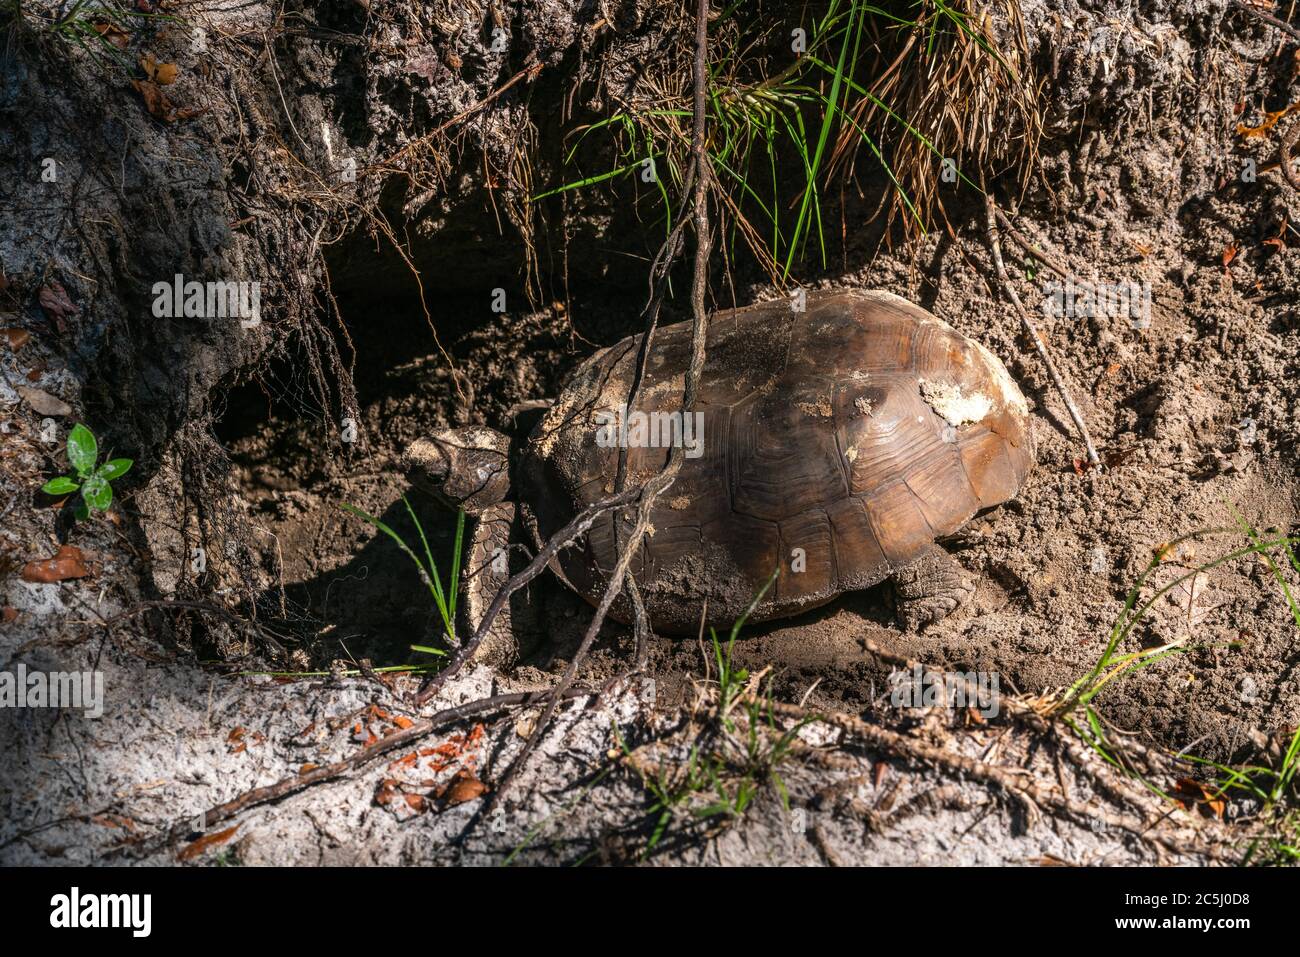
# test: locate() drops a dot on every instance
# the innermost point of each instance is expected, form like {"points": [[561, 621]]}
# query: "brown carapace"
{"points": [[830, 445]]}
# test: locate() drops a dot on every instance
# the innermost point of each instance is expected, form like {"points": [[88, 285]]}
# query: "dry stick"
{"points": [[561, 539], [1288, 141], [583, 522], [531, 71], [1026, 714], [1032, 331], [580, 524], [659, 483], [328, 772], [1049, 261], [1267, 17], [989, 774]]}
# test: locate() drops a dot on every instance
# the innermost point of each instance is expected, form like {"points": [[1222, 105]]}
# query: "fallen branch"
{"points": [[1266, 17], [329, 772], [655, 486], [1014, 783], [1032, 331], [579, 526], [1049, 261], [1288, 141]]}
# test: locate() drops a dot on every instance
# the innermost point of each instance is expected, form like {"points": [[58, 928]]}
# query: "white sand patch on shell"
{"points": [[956, 406]]}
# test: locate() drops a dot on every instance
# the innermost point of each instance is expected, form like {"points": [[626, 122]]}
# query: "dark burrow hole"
{"points": [[349, 592]]}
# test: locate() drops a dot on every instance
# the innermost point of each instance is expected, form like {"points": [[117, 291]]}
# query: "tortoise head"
{"points": [[465, 468]]}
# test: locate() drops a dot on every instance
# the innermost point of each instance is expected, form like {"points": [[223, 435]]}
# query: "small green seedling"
{"points": [[96, 492]]}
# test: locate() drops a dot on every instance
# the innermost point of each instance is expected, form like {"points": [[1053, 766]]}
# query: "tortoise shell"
{"points": [[831, 445]]}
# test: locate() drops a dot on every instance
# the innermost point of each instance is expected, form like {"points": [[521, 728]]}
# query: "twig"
{"points": [[561, 539], [1288, 141], [420, 729], [531, 72], [653, 488], [1014, 783], [1032, 331], [1266, 17], [1049, 261]]}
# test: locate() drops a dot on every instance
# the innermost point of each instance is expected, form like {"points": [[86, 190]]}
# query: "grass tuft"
{"points": [[926, 86]]}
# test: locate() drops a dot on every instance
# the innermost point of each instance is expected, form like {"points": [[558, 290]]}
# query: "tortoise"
{"points": [[831, 447]]}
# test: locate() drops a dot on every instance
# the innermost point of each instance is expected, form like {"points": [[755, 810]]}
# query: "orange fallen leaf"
{"points": [[164, 74], [8, 613], [68, 562], [156, 102], [15, 338], [1229, 254], [206, 842], [403, 722], [463, 787], [1189, 793], [1270, 120], [112, 33]]}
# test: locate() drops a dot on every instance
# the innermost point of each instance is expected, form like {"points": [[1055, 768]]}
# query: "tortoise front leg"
{"points": [[486, 569], [930, 589]]}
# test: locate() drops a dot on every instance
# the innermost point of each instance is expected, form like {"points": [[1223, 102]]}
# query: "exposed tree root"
{"points": [[1032, 331]]}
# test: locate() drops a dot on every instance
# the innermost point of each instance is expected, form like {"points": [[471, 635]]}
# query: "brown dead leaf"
{"points": [[42, 402], [1229, 254], [15, 338], [113, 34], [154, 101], [164, 74], [1190, 793], [206, 842], [1117, 457], [68, 562], [55, 301], [8, 614], [465, 786], [159, 106]]}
